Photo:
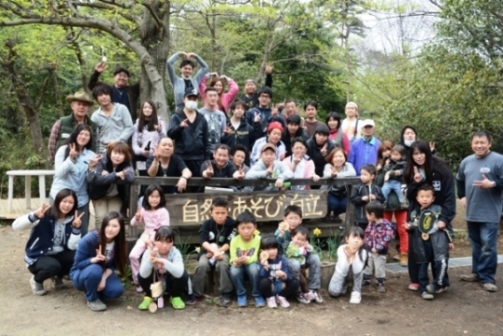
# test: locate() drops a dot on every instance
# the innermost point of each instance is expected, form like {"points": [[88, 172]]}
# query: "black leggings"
{"points": [[50, 266], [175, 286], [412, 264], [265, 288]]}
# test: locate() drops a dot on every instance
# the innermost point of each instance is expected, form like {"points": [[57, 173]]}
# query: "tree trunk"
{"points": [[155, 38]]}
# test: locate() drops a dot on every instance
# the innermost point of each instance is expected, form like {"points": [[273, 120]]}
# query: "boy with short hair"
{"points": [[378, 235], [268, 167], [244, 250], [214, 236], [238, 131], [291, 220], [430, 247]]}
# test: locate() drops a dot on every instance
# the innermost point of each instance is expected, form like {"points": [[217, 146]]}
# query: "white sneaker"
{"points": [[282, 301], [271, 302], [37, 288], [304, 298], [356, 298], [315, 296]]}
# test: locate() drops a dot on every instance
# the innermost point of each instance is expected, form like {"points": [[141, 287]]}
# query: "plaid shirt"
{"points": [[53, 139]]}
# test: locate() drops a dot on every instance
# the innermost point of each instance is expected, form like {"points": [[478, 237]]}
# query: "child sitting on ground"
{"points": [[378, 235], [351, 261], [154, 214], [299, 249], [291, 220], [365, 192], [214, 236], [244, 256], [275, 281], [393, 171], [432, 248]]}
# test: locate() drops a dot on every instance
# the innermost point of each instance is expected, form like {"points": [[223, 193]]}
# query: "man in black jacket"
{"points": [[123, 93], [189, 129]]}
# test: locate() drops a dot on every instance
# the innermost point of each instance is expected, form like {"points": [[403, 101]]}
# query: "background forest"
{"points": [[433, 64]]}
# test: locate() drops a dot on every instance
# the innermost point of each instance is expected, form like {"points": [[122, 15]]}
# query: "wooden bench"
{"points": [[27, 185]]}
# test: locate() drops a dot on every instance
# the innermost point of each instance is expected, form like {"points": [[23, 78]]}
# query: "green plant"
{"points": [[183, 246], [333, 243]]}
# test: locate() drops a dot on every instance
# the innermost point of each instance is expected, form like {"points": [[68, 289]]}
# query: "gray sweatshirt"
{"points": [[217, 121], [173, 264], [259, 170], [178, 83], [116, 127], [482, 205]]}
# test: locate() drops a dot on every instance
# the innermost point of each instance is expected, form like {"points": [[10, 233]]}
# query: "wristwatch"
{"points": [[494, 184]]}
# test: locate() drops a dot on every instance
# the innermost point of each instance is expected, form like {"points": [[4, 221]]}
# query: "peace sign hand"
{"points": [[99, 257], [184, 123], [73, 152], [40, 212], [77, 219], [209, 170], [157, 155], [417, 176], [323, 150], [94, 161]]}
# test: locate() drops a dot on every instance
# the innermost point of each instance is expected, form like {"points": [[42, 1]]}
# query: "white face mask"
{"points": [[408, 143], [191, 105]]}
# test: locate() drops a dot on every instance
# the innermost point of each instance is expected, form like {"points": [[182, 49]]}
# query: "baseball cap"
{"points": [[191, 92], [367, 122], [268, 146]]}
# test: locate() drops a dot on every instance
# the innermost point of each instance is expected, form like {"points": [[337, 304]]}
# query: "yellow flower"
{"points": [[256, 232], [316, 232], [197, 249]]}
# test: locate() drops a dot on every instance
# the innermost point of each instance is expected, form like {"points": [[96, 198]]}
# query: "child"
{"points": [[165, 259], [275, 281], [430, 248], [240, 158], [299, 249], [378, 235], [214, 236], [365, 192], [154, 214], [55, 233], [394, 168], [244, 256], [350, 124], [99, 255], [351, 261], [292, 220]]}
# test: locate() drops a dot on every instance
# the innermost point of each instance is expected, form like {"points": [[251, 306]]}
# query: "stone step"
{"points": [[454, 262]]}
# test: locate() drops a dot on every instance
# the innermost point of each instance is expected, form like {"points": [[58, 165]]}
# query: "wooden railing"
{"points": [[189, 210]]}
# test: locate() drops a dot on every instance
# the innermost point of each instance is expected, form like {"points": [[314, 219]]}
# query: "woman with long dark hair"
{"points": [[71, 164], [424, 168], [98, 256], [55, 233]]}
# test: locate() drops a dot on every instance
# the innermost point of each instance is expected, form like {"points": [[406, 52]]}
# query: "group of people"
{"points": [[97, 157]]}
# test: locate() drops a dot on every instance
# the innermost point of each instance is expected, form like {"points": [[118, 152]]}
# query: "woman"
{"points": [[337, 197], [108, 181], [55, 233], [98, 256], [71, 163], [164, 259], [407, 138], [423, 167], [318, 148], [149, 128], [219, 83], [165, 163], [273, 137], [300, 164], [393, 207], [335, 134]]}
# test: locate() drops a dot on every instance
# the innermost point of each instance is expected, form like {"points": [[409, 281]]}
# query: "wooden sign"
{"points": [[193, 209]]}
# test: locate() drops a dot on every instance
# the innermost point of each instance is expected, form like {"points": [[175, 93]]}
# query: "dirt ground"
{"points": [[466, 309]]}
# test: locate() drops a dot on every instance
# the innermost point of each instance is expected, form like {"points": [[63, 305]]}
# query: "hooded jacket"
{"points": [[287, 139], [99, 184], [265, 118], [244, 135], [191, 142], [356, 198], [314, 152]]}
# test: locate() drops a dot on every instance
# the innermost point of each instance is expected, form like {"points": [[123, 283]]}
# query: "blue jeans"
{"points": [[238, 278], [392, 185], [87, 280], [337, 204], [484, 239]]}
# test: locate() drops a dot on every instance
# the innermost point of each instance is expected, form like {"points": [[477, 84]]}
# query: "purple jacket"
{"points": [[379, 235], [363, 152]]}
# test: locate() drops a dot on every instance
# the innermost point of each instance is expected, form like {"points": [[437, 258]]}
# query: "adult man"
{"points": [[251, 97], [480, 185], [122, 92], [61, 130], [215, 118], [364, 150], [221, 166], [264, 110], [187, 82], [189, 129]]}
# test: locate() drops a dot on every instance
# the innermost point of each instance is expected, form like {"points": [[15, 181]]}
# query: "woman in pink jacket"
{"points": [[219, 83], [300, 164], [154, 214]]}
